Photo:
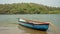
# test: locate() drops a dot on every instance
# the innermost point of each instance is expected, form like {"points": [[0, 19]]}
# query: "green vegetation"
{"points": [[27, 8]]}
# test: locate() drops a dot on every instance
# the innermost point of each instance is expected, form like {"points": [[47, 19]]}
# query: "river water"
{"points": [[9, 24]]}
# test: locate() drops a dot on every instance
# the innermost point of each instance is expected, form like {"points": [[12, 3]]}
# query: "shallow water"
{"points": [[9, 24]]}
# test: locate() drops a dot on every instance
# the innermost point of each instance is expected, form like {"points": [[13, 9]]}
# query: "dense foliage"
{"points": [[27, 8]]}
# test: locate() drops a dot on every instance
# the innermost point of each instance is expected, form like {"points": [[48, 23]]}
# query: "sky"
{"points": [[53, 3]]}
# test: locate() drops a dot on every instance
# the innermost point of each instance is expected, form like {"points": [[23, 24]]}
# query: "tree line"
{"points": [[27, 8]]}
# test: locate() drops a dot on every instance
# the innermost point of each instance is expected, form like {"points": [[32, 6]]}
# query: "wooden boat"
{"points": [[34, 24]]}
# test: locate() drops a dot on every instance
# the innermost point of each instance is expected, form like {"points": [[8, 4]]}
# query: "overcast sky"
{"points": [[55, 3]]}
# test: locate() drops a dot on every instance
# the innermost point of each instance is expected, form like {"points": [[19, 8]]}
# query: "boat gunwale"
{"points": [[33, 23], [42, 23]]}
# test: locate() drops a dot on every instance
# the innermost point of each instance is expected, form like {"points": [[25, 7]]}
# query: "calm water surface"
{"points": [[9, 24]]}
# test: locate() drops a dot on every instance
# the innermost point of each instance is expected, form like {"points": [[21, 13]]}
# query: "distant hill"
{"points": [[27, 8]]}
